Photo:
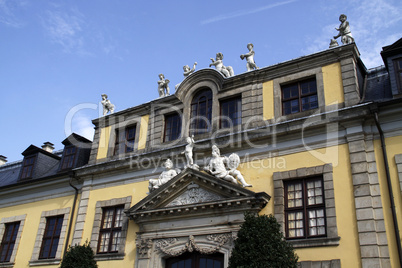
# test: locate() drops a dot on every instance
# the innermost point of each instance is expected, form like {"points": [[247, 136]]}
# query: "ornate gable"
{"points": [[193, 194]]}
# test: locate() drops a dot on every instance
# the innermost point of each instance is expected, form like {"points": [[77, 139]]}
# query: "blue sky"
{"points": [[58, 57]]}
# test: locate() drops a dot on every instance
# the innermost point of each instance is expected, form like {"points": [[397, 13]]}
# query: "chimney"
{"points": [[48, 146], [3, 160]]}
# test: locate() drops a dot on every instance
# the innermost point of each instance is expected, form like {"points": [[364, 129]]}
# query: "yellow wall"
{"points": [[142, 140], [33, 213], [394, 147], [268, 100], [103, 142], [259, 173], [138, 192], [333, 89]]}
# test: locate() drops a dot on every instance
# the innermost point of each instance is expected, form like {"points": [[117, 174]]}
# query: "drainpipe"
{"points": [[390, 191], [70, 225]]}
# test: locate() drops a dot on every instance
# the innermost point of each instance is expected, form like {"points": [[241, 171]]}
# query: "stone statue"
{"points": [[188, 152], [165, 176], [250, 58], [227, 172], [333, 43], [344, 30], [107, 105], [163, 84], [227, 71], [187, 71]]}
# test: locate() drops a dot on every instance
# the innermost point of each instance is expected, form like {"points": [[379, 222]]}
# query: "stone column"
{"points": [[369, 211], [350, 82], [82, 212]]}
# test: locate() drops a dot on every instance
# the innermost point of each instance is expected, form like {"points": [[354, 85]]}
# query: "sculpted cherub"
{"points": [[218, 168], [188, 152], [227, 71], [107, 105], [187, 71], [165, 176], [163, 84], [344, 30], [250, 58]]}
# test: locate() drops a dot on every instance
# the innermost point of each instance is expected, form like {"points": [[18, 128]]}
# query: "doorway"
{"points": [[196, 260]]}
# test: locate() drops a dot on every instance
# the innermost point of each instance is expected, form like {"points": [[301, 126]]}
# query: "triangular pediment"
{"points": [[195, 192]]}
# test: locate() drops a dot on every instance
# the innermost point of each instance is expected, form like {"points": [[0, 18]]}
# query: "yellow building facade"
{"points": [[319, 138]]}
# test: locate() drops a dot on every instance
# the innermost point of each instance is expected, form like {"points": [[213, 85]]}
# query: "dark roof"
{"points": [[76, 140], [393, 49], [32, 149], [9, 173], [378, 87]]}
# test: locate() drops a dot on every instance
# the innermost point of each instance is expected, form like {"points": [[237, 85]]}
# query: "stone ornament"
{"points": [[187, 71], [107, 105], [344, 30], [188, 152], [225, 167], [333, 43], [143, 247], [163, 86], [191, 245], [164, 177], [193, 195], [227, 71], [249, 58]]}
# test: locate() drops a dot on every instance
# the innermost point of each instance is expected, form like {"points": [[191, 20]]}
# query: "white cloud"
{"points": [[66, 29], [244, 13], [7, 13], [82, 125]]}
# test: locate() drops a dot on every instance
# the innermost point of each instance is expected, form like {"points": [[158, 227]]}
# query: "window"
{"points": [[68, 157], [111, 229], [172, 127], [27, 167], [9, 241], [51, 237], [201, 112], [230, 112], [398, 73], [299, 97], [125, 140], [305, 208]]}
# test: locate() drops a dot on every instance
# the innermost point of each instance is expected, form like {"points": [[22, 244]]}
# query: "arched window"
{"points": [[196, 260], [201, 112]]}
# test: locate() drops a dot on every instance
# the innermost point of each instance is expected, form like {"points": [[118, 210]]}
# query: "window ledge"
{"points": [[7, 264], [109, 256], [45, 262], [315, 242]]}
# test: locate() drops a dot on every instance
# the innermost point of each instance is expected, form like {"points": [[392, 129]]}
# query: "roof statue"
{"points": [[250, 58], [188, 152], [227, 71], [164, 177], [107, 105], [187, 71], [225, 167], [163, 86], [333, 43], [344, 30]]}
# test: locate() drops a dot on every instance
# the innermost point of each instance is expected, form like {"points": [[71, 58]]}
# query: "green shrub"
{"points": [[260, 244], [79, 257]]}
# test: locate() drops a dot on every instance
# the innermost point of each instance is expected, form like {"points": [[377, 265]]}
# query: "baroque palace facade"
{"points": [[319, 138]]}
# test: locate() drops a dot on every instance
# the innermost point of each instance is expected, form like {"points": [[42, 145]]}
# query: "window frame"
{"points": [[111, 230], [28, 168], [398, 73], [123, 140], [326, 171], [10, 249], [126, 202], [237, 102], [68, 157], [300, 96], [305, 207], [198, 125], [54, 237], [167, 135]]}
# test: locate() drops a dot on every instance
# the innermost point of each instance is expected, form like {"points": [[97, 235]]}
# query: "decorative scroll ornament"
{"points": [[191, 245], [194, 194], [143, 247]]}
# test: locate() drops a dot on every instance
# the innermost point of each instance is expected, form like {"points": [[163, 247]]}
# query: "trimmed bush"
{"points": [[79, 257], [260, 244]]}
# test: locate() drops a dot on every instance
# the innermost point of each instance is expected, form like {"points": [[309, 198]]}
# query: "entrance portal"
{"points": [[196, 260]]}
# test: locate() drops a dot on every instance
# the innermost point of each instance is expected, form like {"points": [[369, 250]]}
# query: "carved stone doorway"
{"points": [[196, 260]]}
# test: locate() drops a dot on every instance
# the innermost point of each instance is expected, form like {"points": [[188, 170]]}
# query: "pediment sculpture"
{"points": [[163, 86], [225, 167], [107, 105], [249, 56], [164, 177], [227, 71]]}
